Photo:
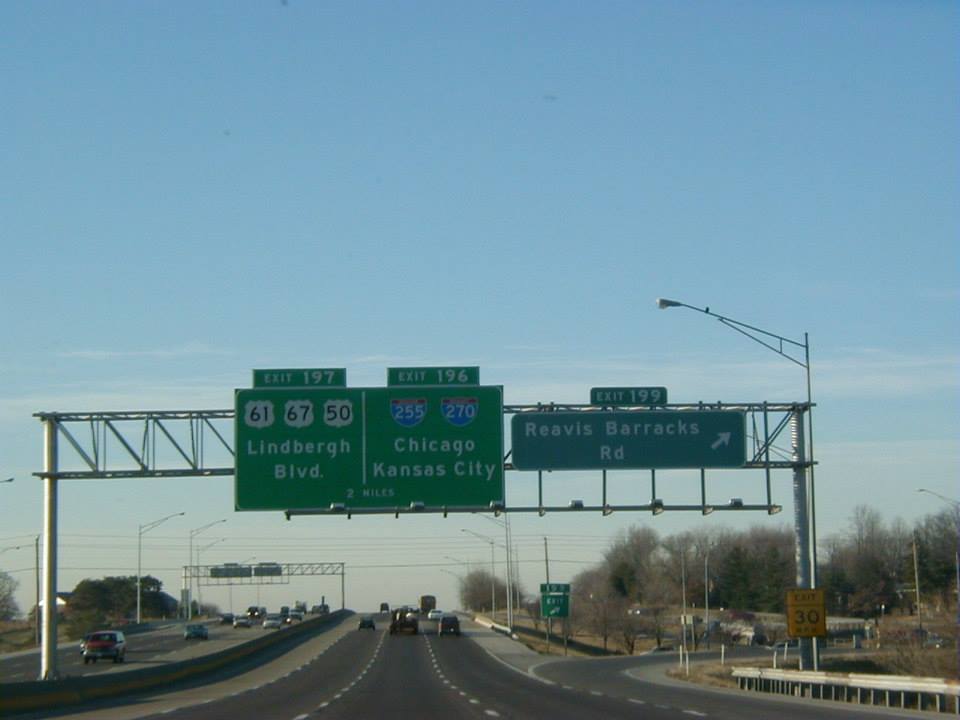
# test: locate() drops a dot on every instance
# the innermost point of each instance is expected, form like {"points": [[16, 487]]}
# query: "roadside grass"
{"points": [[17, 635], [897, 656]]}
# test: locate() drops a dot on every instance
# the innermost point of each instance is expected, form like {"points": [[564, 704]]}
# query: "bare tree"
{"points": [[8, 604]]}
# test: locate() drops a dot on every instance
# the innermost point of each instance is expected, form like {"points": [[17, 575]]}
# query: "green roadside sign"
{"points": [[467, 375], [628, 396], [300, 377], [552, 588], [371, 448], [628, 439], [555, 605]]}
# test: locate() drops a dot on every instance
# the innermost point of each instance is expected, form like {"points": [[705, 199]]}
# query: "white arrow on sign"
{"points": [[722, 439]]}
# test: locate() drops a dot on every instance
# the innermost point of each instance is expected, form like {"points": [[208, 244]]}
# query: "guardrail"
{"points": [[47, 694], [901, 691]]}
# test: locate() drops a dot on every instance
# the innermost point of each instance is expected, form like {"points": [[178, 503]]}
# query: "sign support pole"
{"points": [[801, 527], [48, 648]]}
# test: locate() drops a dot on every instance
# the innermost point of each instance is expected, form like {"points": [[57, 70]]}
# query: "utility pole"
{"points": [[36, 579], [546, 562], [916, 584], [706, 593]]}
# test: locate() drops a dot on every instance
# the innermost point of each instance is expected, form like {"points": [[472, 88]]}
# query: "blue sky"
{"points": [[194, 190]]}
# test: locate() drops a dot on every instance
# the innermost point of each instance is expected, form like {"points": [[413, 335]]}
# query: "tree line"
{"points": [[641, 577]]}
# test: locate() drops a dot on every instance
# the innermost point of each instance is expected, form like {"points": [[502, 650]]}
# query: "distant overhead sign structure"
{"points": [[370, 448], [628, 439]]}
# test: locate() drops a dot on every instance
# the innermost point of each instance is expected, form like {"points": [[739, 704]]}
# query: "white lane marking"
{"points": [[301, 717], [597, 693], [491, 713], [474, 701], [694, 712], [637, 702]]}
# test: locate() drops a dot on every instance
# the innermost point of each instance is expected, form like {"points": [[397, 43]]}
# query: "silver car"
{"points": [[272, 620]]}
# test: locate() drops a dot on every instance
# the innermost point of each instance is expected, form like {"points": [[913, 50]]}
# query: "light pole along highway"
{"points": [[804, 500], [493, 572], [956, 558], [140, 533], [188, 614]]}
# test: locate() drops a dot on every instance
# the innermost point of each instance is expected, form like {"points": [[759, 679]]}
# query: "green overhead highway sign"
{"points": [[628, 439], [371, 448], [553, 588], [469, 375], [301, 377], [628, 396]]}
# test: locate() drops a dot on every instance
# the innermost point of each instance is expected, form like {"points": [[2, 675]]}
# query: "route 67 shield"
{"points": [[408, 412]]}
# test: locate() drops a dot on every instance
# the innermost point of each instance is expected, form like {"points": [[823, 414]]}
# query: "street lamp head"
{"points": [[663, 303]]}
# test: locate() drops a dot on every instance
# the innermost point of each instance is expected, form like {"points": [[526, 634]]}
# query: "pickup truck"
{"points": [[104, 644]]}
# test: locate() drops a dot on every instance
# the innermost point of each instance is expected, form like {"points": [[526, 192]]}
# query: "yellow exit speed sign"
{"points": [[806, 613]]}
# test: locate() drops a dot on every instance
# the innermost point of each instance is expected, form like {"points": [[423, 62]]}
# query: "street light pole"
{"points": [[242, 562], [140, 532], [193, 533], [956, 558], [511, 581], [199, 586], [493, 572], [804, 499]]}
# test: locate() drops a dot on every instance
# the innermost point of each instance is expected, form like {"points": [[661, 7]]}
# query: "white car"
{"points": [[434, 614], [273, 620]]}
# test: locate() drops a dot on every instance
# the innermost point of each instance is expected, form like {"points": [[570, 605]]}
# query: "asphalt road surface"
{"points": [[164, 644], [346, 673]]}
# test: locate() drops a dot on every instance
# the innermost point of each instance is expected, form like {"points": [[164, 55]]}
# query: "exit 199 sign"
{"points": [[555, 605]]}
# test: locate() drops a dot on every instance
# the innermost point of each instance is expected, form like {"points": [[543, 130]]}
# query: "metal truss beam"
{"points": [[143, 444]]}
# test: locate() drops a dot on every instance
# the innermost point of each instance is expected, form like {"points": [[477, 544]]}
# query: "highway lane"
{"points": [[642, 679], [143, 649], [299, 692], [369, 674], [511, 694], [262, 670]]}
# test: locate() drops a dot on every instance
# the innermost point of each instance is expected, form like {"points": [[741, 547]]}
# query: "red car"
{"points": [[105, 644]]}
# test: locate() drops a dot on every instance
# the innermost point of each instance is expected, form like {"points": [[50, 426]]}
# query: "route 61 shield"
{"points": [[408, 412], [459, 411]]}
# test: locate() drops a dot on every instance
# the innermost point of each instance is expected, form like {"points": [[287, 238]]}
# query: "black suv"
{"points": [[449, 625], [404, 618]]}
